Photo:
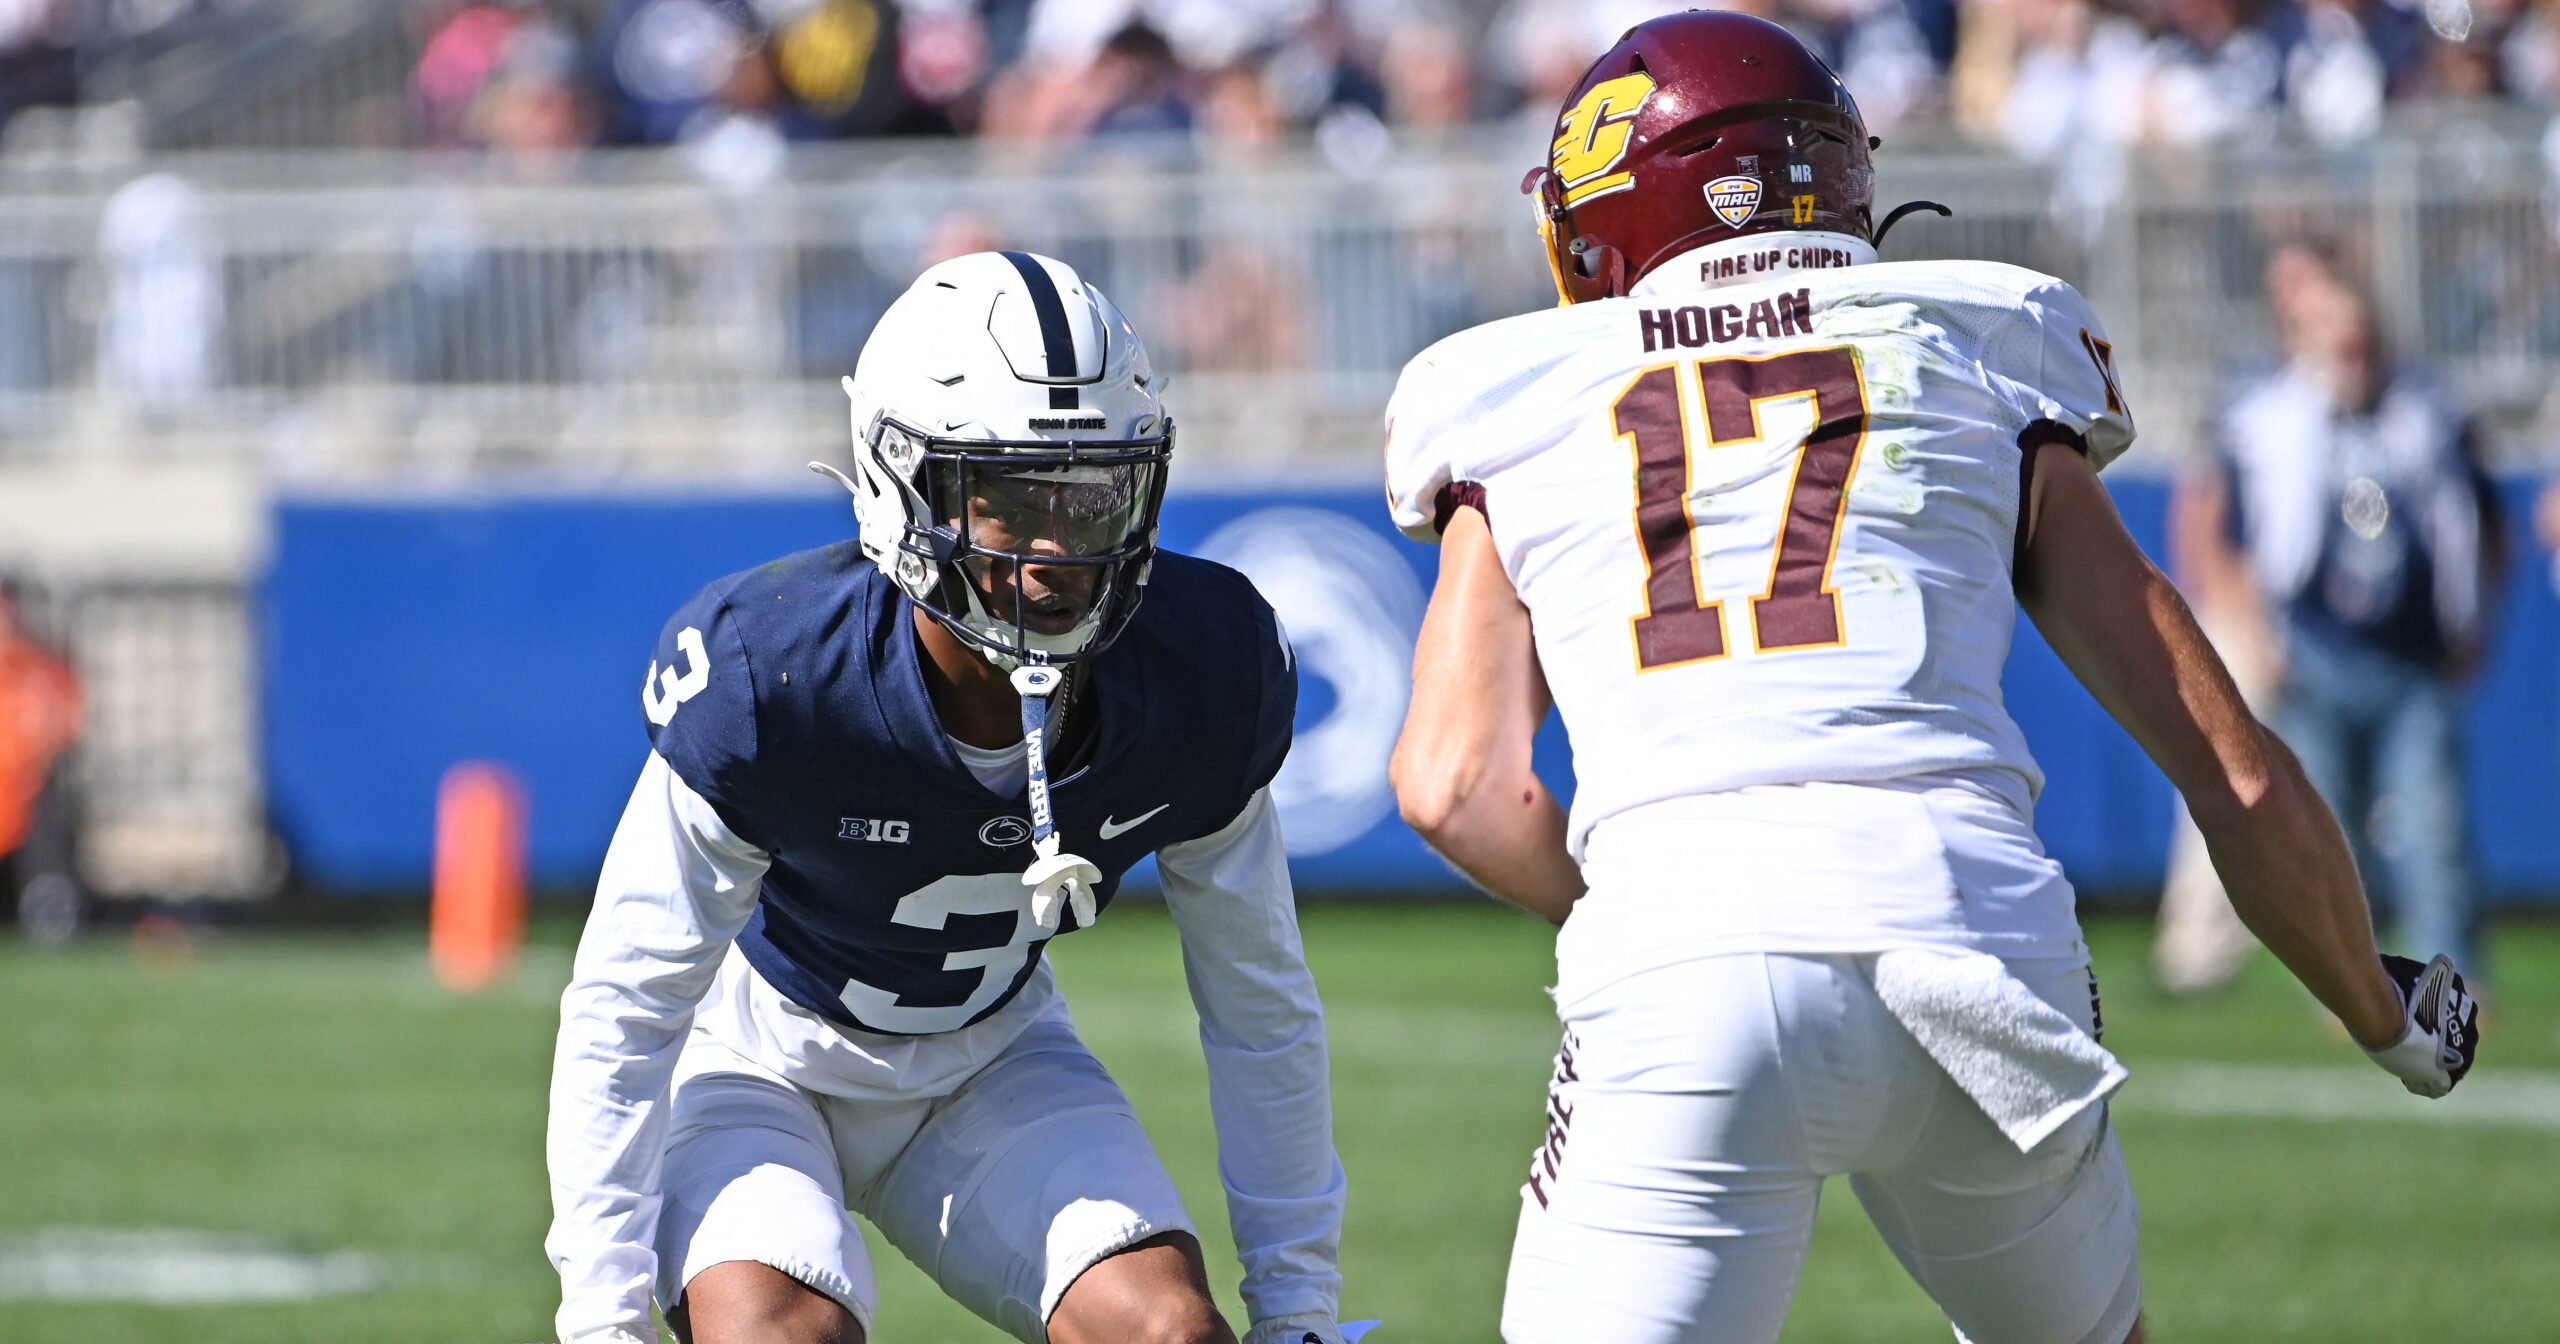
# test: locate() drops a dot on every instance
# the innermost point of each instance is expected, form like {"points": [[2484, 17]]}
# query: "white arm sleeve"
{"points": [[676, 888], [1262, 1029]]}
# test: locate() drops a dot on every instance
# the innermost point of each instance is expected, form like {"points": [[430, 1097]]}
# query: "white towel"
{"points": [[2027, 1065]]}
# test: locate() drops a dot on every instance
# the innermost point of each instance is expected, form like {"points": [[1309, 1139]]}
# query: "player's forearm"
{"points": [[2292, 880]]}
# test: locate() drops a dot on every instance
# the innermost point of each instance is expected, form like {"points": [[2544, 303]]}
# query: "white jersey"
{"points": [[1765, 531]]}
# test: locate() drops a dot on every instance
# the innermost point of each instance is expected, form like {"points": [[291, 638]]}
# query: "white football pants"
{"points": [[1697, 1109], [1004, 1192]]}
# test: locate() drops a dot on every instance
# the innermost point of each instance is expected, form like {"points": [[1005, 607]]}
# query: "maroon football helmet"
{"points": [[1695, 127]]}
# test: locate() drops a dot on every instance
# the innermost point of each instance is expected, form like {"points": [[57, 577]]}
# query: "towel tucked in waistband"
{"points": [[2027, 1065]]}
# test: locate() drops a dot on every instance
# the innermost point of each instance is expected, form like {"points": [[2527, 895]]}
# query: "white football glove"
{"points": [[2442, 1033], [1307, 1327]]}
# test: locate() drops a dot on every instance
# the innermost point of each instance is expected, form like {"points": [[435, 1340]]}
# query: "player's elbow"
{"points": [[1434, 784]]}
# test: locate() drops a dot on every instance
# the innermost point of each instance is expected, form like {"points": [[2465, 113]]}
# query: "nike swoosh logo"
{"points": [[1110, 828]]}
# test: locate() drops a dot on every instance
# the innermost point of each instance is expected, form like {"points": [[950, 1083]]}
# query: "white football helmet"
{"points": [[1004, 416]]}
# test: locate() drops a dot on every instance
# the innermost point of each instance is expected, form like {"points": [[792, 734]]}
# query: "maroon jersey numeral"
{"points": [[1800, 610], [1676, 627]]}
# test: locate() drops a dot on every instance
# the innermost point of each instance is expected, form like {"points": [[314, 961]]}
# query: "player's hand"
{"points": [[2442, 1033], [1306, 1327]]}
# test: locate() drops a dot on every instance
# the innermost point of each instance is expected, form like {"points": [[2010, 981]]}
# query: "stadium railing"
{"points": [[628, 314]]}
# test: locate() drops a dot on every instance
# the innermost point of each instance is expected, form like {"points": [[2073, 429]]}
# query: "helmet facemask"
{"points": [[1035, 550]]}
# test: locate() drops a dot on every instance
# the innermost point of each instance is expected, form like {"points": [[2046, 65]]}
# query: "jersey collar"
{"points": [[907, 707], [1759, 256]]}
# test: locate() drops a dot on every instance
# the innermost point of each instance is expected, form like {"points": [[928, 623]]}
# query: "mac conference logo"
{"points": [[1734, 199], [1352, 608]]}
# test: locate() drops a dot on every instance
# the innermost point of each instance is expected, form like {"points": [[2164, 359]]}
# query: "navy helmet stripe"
{"points": [[1052, 311]]}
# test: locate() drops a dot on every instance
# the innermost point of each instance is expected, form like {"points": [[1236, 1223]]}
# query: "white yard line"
{"points": [[172, 1267], [2512, 1099]]}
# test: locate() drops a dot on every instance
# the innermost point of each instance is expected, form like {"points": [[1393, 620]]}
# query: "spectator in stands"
{"points": [[1237, 119], [39, 55], [945, 53], [2529, 55], [2047, 78], [1428, 69], [1130, 84], [663, 61], [2353, 515], [1313, 72], [502, 76], [39, 720], [2334, 79], [2218, 74], [834, 66]]}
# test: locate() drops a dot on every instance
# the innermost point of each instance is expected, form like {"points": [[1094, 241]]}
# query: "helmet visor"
{"points": [[1012, 509], [1049, 545]]}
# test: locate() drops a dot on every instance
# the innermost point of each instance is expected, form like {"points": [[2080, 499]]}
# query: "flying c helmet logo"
{"points": [[1734, 199], [1592, 138]]}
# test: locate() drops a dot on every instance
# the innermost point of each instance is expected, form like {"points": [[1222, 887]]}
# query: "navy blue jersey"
{"points": [[791, 697]]}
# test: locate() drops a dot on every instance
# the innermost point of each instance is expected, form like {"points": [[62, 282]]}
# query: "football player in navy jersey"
{"points": [[884, 775]]}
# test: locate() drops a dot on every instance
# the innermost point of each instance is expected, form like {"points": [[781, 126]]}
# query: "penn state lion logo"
{"points": [[1592, 138]]}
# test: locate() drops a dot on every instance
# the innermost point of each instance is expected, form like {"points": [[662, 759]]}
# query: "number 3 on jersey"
{"points": [[1800, 610]]}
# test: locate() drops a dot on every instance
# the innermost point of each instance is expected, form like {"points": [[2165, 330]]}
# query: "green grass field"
{"points": [[321, 1094]]}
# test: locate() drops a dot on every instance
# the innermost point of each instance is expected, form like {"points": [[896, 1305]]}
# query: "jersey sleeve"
{"points": [[1422, 445], [676, 887], [1276, 712], [699, 702], [2074, 384], [1262, 1034]]}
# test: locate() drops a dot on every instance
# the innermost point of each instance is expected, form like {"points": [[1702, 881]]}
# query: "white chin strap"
{"points": [[1056, 880]]}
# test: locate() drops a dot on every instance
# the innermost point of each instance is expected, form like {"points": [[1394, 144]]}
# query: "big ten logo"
{"points": [[873, 830], [1592, 137]]}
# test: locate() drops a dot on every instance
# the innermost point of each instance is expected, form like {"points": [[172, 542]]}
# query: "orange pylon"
{"points": [[476, 923]]}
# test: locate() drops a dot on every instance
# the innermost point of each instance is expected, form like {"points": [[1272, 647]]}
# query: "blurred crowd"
{"points": [[747, 76]]}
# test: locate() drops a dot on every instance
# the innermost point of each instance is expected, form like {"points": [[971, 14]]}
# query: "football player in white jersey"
{"points": [[1756, 511]]}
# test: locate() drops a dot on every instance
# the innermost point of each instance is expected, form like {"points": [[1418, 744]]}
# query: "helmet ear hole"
{"points": [[1596, 260]]}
